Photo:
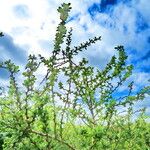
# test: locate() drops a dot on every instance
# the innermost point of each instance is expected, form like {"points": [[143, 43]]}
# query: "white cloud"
{"points": [[143, 7]]}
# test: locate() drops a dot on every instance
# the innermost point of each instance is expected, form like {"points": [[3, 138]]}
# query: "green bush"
{"points": [[79, 112]]}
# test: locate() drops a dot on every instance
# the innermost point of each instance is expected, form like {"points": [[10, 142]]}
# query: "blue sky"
{"points": [[29, 27]]}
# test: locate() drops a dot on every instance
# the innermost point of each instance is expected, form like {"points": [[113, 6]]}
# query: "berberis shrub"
{"points": [[75, 106]]}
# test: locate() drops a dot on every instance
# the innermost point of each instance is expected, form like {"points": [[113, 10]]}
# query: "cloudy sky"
{"points": [[29, 27]]}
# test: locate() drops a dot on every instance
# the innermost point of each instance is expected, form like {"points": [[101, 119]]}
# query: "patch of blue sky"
{"points": [[94, 9], [106, 3], [140, 63], [125, 2], [4, 73], [10, 50], [125, 29], [146, 56], [107, 24], [144, 65], [74, 17], [103, 7], [148, 39], [45, 44], [21, 11], [85, 27], [123, 91], [13, 51], [145, 69], [141, 23]]}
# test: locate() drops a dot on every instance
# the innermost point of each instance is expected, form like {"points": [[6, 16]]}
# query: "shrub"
{"points": [[78, 112]]}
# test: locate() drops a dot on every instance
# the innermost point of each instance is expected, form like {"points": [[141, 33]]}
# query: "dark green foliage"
{"points": [[1, 34], [78, 112]]}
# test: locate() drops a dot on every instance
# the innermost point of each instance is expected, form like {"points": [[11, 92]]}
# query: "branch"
{"points": [[54, 138]]}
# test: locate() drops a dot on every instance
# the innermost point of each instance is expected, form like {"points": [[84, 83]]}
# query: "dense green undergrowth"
{"points": [[75, 106]]}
